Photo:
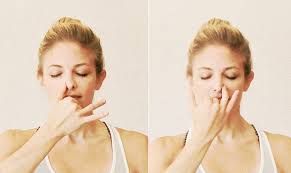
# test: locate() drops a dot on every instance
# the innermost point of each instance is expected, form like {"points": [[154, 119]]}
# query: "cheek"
{"points": [[53, 88], [87, 90], [234, 85], [87, 86], [201, 89]]}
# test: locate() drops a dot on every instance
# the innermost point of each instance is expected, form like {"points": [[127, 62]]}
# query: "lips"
{"points": [[74, 96]]}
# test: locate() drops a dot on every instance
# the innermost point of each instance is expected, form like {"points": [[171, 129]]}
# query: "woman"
{"points": [[73, 139], [220, 140]]}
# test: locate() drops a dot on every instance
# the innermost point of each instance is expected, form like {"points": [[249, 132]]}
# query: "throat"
{"points": [[90, 132], [237, 130]]}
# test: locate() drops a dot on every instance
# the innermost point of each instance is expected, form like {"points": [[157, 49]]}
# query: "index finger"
{"points": [[61, 92], [232, 101], [225, 98], [92, 107]]}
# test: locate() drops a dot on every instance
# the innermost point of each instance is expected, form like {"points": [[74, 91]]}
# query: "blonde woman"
{"points": [[72, 139], [220, 140]]}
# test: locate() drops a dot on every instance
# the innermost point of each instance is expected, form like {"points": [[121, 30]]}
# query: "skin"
{"points": [[216, 88], [72, 129]]}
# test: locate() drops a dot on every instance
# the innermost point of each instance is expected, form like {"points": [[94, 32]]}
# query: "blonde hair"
{"points": [[218, 31], [70, 29]]}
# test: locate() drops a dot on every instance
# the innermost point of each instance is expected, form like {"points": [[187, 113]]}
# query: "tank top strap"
{"points": [[187, 138], [119, 162], [267, 163]]}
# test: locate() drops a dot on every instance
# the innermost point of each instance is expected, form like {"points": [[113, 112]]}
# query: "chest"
{"points": [[85, 158], [228, 159]]}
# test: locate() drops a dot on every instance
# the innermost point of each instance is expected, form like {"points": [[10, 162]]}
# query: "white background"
{"points": [[122, 27], [266, 24]]}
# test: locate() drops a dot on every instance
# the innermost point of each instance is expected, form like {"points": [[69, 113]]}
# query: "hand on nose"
{"points": [[67, 86], [216, 92], [61, 92]]}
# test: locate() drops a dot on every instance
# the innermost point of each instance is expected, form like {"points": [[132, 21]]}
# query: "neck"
{"points": [[236, 128], [95, 129]]}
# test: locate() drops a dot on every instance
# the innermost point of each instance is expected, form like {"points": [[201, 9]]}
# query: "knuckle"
{"points": [[67, 98], [73, 106], [90, 106]]}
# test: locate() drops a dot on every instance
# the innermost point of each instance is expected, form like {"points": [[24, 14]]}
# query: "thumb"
{"points": [[61, 92]]}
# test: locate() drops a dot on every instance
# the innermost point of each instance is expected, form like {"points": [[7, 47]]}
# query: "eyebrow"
{"points": [[77, 65], [208, 68], [204, 68], [232, 67], [55, 65]]}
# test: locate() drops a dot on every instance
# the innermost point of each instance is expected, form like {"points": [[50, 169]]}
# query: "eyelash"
{"points": [[205, 78], [208, 77], [82, 75], [79, 74], [231, 78], [55, 75]]}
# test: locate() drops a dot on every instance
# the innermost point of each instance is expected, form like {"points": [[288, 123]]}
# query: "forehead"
{"points": [[68, 54], [217, 56]]}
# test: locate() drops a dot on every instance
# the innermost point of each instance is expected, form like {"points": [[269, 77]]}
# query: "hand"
{"points": [[67, 115], [210, 115]]}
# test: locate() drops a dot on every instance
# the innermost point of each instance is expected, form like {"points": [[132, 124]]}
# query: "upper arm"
{"points": [[281, 148], [142, 156], [7, 143], [157, 156], [136, 150], [162, 152]]}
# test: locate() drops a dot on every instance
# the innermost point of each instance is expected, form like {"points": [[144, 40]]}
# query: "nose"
{"points": [[217, 85], [70, 83]]}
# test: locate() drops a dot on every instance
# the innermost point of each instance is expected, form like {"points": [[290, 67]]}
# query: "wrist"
{"points": [[50, 133]]}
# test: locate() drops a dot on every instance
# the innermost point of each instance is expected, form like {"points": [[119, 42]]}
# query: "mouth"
{"points": [[74, 96]]}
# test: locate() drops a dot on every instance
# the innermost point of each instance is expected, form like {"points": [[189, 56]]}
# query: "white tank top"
{"points": [[119, 162], [267, 164]]}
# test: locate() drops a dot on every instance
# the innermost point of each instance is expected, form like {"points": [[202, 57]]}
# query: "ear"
{"points": [[100, 78], [40, 79], [190, 80], [249, 80]]}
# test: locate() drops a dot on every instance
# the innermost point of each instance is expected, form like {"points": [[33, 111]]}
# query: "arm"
{"points": [[189, 158], [142, 160], [166, 155], [209, 117], [136, 150], [65, 118], [281, 149], [29, 155]]}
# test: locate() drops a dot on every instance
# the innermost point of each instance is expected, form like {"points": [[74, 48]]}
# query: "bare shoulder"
{"points": [[281, 149], [132, 137], [133, 141], [11, 140], [164, 150], [170, 143], [136, 149]]}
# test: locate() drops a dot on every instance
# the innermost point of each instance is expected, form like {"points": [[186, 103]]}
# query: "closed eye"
{"points": [[231, 77], [82, 74], [205, 77], [55, 75]]}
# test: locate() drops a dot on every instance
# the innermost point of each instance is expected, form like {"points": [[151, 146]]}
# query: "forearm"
{"points": [[189, 159], [29, 156]]}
